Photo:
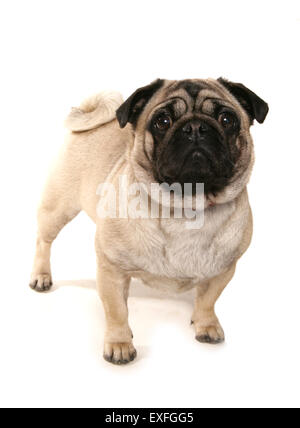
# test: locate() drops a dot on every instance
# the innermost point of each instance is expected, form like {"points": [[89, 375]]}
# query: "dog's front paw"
{"points": [[41, 282], [119, 353], [212, 333]]}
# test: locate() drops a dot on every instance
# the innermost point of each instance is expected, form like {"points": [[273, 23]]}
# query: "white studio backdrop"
{"points": [[54, 54]]}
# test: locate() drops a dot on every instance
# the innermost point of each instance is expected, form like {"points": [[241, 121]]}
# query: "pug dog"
{"points": [[189, 131]]}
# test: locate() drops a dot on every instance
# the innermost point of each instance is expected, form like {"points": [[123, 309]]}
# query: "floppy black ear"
{"points": [[130, 110], [254, 106]]}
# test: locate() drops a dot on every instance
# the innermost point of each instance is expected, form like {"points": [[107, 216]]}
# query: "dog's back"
{"points": [[91, 150]]}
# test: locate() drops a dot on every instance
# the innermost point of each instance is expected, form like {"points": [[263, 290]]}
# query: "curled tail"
{"points": [[94, 111]]}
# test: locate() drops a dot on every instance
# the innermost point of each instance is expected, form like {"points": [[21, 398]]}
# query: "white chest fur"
{"points": [[165, 248]]}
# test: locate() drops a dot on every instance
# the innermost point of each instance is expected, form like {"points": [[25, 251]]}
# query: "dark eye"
{"points": [[162, 122], [227, 120]]}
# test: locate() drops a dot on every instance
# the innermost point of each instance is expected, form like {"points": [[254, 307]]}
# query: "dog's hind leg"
{"points": [[58, 207]]}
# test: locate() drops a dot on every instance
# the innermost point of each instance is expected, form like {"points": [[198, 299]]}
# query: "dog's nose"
{"points": [[195, 129]]}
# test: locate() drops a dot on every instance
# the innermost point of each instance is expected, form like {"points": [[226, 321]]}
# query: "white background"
{"points": [[54, 54]]}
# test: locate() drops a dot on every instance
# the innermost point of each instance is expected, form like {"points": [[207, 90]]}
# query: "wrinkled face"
{"points": [[195, 131], [195, 138]]}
